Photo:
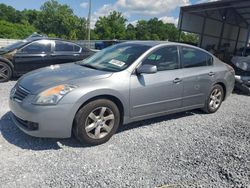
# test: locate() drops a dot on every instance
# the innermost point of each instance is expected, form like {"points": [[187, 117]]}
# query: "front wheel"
{"points": [[214, 99], [96, 122]]}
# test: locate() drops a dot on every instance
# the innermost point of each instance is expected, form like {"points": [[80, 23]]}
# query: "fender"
{"points": [[96, 93], [100, 92]]}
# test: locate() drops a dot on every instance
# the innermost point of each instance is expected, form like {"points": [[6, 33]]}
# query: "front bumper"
{"points": [[51, 121], [243, 83]]}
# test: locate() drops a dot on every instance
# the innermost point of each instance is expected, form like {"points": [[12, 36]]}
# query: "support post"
{"points": [[237, 40], [221, 35], [180, 25], [202, 32], [247, 41]]}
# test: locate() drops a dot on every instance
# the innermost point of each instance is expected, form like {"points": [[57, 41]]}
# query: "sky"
{"points": [[133, 10]]}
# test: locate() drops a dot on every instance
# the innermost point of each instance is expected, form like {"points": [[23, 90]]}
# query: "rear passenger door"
{"points": [[65, 52], [197, 76]]}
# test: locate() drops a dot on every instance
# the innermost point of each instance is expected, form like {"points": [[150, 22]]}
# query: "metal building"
{"points": [[221, 23]]}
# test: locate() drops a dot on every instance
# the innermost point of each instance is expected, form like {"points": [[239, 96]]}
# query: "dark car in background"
{"points": [[241, 66], [104, 44], [36, 52]]}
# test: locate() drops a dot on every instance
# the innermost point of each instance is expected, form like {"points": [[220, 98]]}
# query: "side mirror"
{"points": [[147, 69]]}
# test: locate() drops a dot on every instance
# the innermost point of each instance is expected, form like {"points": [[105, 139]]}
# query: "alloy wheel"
{"points": [[99, 122], [215, 99]]}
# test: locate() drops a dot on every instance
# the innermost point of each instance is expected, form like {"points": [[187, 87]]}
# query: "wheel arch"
{"points": [[110, 97], [8, 62], [224, 89]]}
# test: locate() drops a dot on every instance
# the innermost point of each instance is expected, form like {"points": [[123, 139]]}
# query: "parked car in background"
{"points": [[104, 44], [241, 65], [242, 52], [36, 52], [123, 83]]}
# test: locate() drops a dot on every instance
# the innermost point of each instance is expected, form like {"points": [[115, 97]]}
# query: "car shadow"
{"points": [[11, 133], [149, 122]]}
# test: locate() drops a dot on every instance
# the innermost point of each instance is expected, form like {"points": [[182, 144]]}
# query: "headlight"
{"points": [[53, 95]]}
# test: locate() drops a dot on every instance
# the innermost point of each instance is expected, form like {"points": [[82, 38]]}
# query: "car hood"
{"points": [[41, 79]]}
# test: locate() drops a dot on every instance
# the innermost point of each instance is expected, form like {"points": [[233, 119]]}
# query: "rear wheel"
{"points": [[215, 99], [96, 122], [5, 72]]}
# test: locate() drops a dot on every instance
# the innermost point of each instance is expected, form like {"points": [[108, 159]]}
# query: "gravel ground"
{"points": [[189, 149]]}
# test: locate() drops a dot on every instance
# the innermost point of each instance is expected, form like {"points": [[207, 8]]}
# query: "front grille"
{"points": [[20, 93]]}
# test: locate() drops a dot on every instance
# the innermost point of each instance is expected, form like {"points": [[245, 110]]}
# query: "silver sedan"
{"points": [[124, 83]]}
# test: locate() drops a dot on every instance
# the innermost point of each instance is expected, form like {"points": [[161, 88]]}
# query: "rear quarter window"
{"points": [[77, 48], [195, 58], [64, 47]]}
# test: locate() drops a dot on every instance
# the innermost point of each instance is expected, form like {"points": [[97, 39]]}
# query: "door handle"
{"points": [[211, 74], [177, 80]]}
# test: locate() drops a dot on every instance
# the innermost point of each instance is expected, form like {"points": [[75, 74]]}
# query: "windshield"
{"points": [[115, 58], [14, 46]]}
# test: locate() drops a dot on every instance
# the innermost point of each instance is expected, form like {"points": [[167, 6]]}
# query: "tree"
{"points": [[14, 30], [10, 14], [142, 32], [130, 32], [111, 27], [189, 38], [59, 20], [31, 16], [172, 32], [156, 28]]}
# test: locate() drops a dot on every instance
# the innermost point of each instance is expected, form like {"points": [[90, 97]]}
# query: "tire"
{"points": [[5, 72], [214, 100], [100, 116]]}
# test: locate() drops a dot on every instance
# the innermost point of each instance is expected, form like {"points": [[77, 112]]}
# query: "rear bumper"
{"points": [[43, 121]]}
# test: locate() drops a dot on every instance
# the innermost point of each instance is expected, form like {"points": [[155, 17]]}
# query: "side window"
{"points": [[195, 58], [64, 47], [85, 49], [165, 58], [76, 48], [37, 47]]}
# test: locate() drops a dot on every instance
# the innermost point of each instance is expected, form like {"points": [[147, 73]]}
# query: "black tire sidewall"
{"points": [[82, 115], [10, 72], [208, 108]]}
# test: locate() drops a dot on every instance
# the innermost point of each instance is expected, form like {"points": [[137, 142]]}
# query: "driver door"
{"points": [[32, 56], [161, 92]]}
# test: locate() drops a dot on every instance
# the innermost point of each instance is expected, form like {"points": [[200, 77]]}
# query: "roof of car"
{"points": [[147, 43], [32, 39], [156, 43], [48, 38]]}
